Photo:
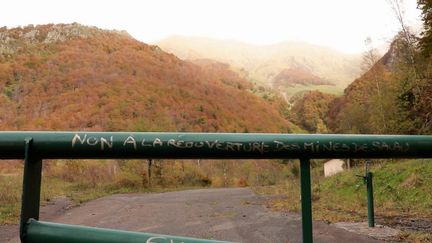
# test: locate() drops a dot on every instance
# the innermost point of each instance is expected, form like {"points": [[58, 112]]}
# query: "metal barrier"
{"points": [[33, 147]]}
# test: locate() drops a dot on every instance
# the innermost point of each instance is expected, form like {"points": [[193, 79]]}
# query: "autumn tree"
{"points": [[309, 112], [426, 36], [370, 59], [425, 44]]}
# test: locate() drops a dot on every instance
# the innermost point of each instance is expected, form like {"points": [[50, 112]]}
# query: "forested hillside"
{"points": [[310, 111], [393, 96], [72, 77]]}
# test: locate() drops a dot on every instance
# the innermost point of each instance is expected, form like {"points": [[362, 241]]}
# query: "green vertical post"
{"points": [[370, 200], [306, 200], [31, 186]]}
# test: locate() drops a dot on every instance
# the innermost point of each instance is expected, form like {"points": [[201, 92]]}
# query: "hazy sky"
{"points": [[341, 24]]}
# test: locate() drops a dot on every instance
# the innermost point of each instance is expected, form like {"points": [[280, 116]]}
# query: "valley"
{"points": [[72, 77], [287, 67]]}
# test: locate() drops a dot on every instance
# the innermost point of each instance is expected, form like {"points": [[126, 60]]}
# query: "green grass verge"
{"points": [[329, 89], [402, 190]]}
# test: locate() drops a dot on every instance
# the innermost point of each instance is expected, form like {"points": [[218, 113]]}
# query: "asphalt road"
{"points": [[230, 214]]}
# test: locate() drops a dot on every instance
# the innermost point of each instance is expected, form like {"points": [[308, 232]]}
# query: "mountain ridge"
{"points": [[263, 62], [13, 38], [110, 81]]}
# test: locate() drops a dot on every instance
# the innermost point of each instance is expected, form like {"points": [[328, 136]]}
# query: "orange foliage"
{"points": [[311, 110], [112, 82]]}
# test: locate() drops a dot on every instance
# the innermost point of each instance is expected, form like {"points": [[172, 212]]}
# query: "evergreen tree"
{"points": [[426, 40]]}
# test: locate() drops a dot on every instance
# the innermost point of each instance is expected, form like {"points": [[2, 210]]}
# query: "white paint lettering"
{"points": [[130, 140], [104, 142], [211, 144], [92, 141], [77, 137], [149, 240], [157, 141]]}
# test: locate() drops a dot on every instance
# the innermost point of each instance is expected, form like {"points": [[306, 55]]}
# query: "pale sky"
{"points": [[340, 24]]}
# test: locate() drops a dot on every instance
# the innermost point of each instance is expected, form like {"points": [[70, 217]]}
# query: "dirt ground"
{"points": [[230, 214]]}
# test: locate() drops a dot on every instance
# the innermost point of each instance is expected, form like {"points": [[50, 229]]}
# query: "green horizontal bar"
{"points": [[45, 232], [128, 145]]}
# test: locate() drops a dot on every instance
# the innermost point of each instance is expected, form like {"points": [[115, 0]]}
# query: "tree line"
{"points": [[393, 96]]}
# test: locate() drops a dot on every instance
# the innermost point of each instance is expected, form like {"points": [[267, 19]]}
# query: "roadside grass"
{"points": [[402, 190], [10, 194], [84, 180], [11, 188]]}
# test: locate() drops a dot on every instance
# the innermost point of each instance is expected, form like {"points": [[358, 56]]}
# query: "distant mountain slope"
{"points": [[264, 63], [293, 76], [68, 77]]}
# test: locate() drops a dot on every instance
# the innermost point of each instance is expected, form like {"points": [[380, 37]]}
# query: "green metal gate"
{"points": [[33, 147]]}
